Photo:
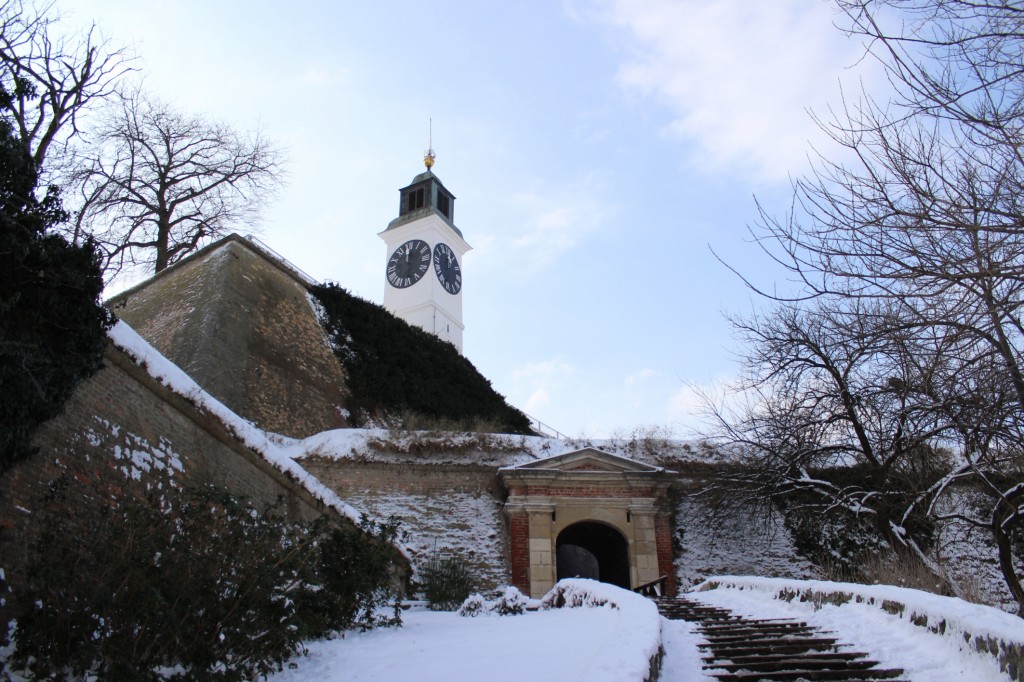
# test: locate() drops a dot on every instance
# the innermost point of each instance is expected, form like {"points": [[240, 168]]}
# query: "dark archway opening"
{"points": [[593, 550]]}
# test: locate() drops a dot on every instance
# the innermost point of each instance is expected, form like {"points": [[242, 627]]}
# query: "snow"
{"points": [[682, 657], [931, 637], [609, 643], [729, 542], [939, 649], [450, 523], [171, 376], [393, 446], [147, 457], [396, 446], [598, 641]]}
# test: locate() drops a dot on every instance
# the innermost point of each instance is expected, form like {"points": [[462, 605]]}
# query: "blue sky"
{"points": [[597, 150]]}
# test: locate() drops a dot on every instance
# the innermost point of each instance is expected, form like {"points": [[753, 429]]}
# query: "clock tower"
{"points": [[423, 274]]}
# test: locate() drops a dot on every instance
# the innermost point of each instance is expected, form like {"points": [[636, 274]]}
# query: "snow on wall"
{"points": [[392, 446], [460, 523], [732, 543], [136, 455], [969, 557], [168, 374], [639, 627]]}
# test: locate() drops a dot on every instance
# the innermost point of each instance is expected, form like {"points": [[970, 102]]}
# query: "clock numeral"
{"points": [[408, 263], [446, 266]]}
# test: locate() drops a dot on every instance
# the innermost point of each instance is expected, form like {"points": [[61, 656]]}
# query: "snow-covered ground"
{"points": [[613, 644]]}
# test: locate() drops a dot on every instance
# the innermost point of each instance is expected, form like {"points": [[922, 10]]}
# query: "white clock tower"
{"points": [[423, 283]]}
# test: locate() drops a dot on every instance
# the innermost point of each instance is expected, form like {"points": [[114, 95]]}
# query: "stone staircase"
{"points": [[741, 648]]}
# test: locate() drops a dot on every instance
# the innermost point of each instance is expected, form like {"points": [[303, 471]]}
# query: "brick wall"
{"points": [[519, 549], [663, 539]]}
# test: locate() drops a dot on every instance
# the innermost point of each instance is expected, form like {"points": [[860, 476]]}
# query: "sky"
{"points": [[599, 150]]}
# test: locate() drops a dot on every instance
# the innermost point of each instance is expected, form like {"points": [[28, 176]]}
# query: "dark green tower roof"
{"points": [[424, 196]]}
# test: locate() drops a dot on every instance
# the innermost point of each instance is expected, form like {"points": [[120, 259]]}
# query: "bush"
{"points": [[512, 602], [354, 568], [396, 368], [838, 540], [473, 606], [446, 582], [197, 585]]}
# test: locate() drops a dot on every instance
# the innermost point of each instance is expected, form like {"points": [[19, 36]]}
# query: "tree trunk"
{"points": [[1004, 518]]}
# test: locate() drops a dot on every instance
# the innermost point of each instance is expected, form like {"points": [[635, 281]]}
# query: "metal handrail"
{"points": [[545, 430], [284, 261], [655, 588]]}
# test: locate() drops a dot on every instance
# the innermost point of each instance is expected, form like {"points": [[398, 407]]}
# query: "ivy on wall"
{"points": [[397, 369]]}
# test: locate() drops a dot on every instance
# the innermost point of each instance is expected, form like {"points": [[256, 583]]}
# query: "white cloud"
{"points": [[536, 382], [555, 220], [637, 377], [737, 76], [543, 370]]}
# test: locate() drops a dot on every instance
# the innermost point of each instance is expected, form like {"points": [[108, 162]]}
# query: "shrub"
{"points": [[512, 602], [198, 583], [473, 606], [354, 567], [395, 368], [446, 582], [838, 540]]}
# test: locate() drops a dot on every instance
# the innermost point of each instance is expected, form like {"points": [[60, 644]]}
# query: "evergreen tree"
{"points": [[52, 327]]}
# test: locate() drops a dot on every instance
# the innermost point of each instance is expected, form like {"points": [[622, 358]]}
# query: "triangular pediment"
{"points": [[589, 460]]}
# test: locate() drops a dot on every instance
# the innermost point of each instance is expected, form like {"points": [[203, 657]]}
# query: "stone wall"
{"points": [[121, 425], [732, 542], [449, 508], [445, 509], [242, 326]]}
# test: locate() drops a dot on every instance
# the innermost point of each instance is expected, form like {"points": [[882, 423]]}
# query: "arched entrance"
{"points": [[588, 513], [593, 550]]}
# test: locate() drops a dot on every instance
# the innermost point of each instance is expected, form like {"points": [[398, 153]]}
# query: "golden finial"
{"points": [[429, 156]]}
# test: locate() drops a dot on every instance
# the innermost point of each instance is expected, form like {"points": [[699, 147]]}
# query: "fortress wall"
{"points": [[732, 542], [121, 425], [445, 509], [459, 509], [243, 329]]}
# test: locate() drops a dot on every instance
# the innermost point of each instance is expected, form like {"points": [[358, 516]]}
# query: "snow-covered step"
{"points": [[740, 649]]}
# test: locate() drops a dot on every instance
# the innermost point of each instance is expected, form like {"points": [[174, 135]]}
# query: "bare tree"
{"points": [[160, 183], [833, 424], [905, 341], [47, 80]]}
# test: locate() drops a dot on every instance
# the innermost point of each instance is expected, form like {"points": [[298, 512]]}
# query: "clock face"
{"points": [[446, 265], [408, 263]]}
